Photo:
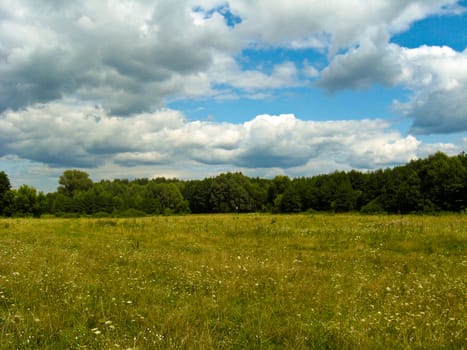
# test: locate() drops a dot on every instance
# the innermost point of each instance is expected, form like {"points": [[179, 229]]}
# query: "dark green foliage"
{"points": [[25, 201], [340, 193], [160, 198], [74, 180], [197, 194], [4, 183], [5, 186], [231, 192], [131, 213], [437, 183], [373, 207], [443, 181], [289, 201], [59, 203], [400, 191]]}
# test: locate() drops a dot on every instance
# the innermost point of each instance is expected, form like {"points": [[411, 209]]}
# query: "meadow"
{"points": [[234, 282]]}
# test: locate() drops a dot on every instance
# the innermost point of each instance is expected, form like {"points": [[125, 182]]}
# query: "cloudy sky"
{"points": [[193, 88]]}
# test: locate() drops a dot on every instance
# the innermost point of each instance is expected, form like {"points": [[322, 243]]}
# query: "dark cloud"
{"points": [[263, 158], [442, 112], [41, 78], [361, 68], [127, 59]]}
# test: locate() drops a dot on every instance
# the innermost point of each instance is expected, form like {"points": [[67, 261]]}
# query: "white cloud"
{"points": [[336, 24], [67, 134], [128, 56], [309, 71], [131, 56], [362, 67], [226, 71], [437, 77]]}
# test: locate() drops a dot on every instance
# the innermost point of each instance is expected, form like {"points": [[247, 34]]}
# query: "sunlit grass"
{"points": [[234, 281]]}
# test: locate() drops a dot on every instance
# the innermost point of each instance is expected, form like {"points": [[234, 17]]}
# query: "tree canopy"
{"points": [[5, 187], [74, 180], [436, 183]]}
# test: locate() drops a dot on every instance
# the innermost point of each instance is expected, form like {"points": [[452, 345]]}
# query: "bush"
{"points": [[131, 213], [48, 216], [102, 214], [373, 207], [68, 215]]}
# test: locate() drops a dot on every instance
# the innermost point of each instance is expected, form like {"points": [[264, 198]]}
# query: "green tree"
{"points": [[344, 198], [278, 186], [232, 192], [196, 193], [26, 201], [289, 201], [336, 192], [60, 204], [171, 199], [5, 186], [72, 181], [443, 181], [163, 197], [400, 191]]}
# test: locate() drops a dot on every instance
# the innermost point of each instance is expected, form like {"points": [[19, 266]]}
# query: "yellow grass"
{"points": [[234, 282]]}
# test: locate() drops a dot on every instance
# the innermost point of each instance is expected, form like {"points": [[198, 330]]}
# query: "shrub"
{"points": [[373, 207], [131, 213]]}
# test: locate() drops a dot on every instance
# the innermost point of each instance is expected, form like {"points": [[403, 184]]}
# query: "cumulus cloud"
{"points": [[340, 24], [73, 135], [436, 76], [128, 56], [132, 56], [362, 67], [228, 73]]}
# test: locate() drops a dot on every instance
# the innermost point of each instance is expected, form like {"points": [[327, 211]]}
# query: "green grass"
{"points": [[234, 282]]}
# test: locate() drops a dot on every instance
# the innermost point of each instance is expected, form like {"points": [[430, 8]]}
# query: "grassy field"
{"points": [[234, 282]]}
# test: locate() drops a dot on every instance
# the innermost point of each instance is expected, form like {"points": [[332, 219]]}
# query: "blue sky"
{"points": [[189, 89]]}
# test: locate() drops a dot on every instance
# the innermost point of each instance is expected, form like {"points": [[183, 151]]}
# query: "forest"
{"points": [[437, 183]]}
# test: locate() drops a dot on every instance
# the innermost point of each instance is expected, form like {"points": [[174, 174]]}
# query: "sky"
{"points": [[194, 88]]}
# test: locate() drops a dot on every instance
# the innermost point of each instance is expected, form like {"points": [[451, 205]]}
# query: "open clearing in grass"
{"points": [[234, 281]]}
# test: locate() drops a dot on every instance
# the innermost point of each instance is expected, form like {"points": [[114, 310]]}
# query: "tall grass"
{"points": [[234, 282]]}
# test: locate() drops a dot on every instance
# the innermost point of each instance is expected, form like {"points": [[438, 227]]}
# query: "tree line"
{"points": [[436, 183]]}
